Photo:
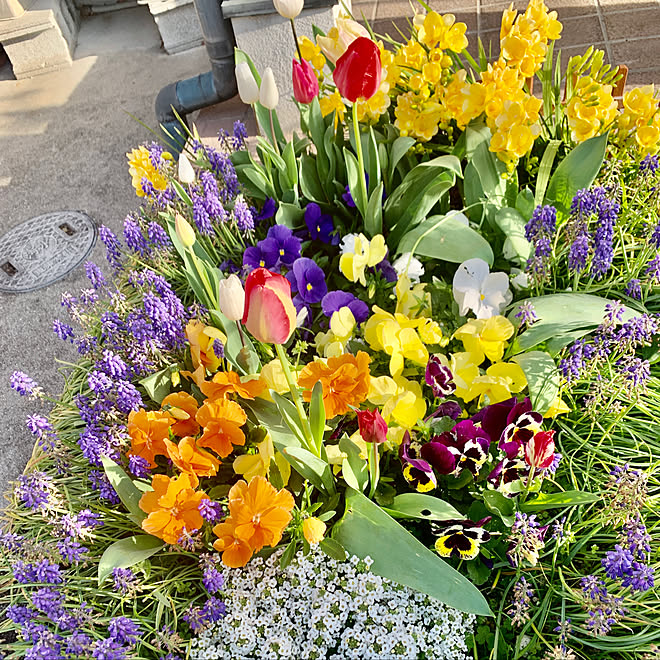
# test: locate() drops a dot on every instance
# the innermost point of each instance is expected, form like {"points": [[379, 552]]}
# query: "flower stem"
{"points": [[374, 469], [295, 394], [272, 133], [358, 148], [240, 333], [295, 38], [205, 280]]}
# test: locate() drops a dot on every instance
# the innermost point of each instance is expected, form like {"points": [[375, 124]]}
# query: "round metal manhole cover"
{"points": [[44, 249]]}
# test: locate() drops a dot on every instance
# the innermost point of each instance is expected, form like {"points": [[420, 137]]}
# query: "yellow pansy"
{"points": [[500, 382], [342, 326], [401, 401], [365, 253], [258, 465], [485, 337], [411, 300], [273, 375], [557, 407], [464, 368]]}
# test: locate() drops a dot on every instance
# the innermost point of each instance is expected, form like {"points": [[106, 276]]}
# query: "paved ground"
{"points": [[63, 138]]}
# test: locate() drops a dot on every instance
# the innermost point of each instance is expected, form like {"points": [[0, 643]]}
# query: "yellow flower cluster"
{"points": [[312, 53], [640, 119], [591, 109], [140, 167]]}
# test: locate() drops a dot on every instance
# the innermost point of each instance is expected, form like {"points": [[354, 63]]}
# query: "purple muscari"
{"points": [[40, 427], [20, 614], [526, 313], [112, 247], [608, 212], [653, 269], [99, 382], [100, 483], [139, 466], [267, 210], [219, 349], [522, 598], [320, 225], [655, 237], [640, 578], [108, 649], [617, 562], [113, 365], [579, 355], [593, 587], [158, 236], [78, 645], [649, 164], [41, 572], [637, 538], [636, 371], [48, 601], [255, 257], [94, 275], [201, 215], [23, 384], [526, 539], [583, 204], [199, 618], [240, 135], [124, 580], [63, 330], [155, 154], [334, 300], [211, 511], [212, 579], [223, 168], [123, 630], [308, 280], [79, 524], [633, 289], [579, 253], [542, 223], [88, 297], [212, 196], [281, 245], [71, 550], [134, 237], [439, 377], [34, 489], [243, 215], [86, 345], [159, 198]]}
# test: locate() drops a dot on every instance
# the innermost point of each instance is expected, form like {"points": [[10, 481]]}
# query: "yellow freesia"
{"points": [[365, 253], [485, 337]]}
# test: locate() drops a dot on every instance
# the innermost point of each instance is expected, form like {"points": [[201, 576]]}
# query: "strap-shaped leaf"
{"points": [[127, 552]]}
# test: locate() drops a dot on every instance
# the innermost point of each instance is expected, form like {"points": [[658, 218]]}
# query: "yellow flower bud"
{"points": [[184, 231], [313, 530]]}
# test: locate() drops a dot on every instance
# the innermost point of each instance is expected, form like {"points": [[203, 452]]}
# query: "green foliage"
{"points": [[126, 553]]}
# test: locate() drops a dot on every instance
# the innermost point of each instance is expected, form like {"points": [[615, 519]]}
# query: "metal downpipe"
{"points": [[214, 86]]}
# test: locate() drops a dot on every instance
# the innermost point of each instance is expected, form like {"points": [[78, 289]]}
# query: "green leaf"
{"points": [[290, 215], [563, 317], [542, 378], [127, 491], [290, 414], [372, 162], [333, 549], [423, 507], [353, 171], [127, 552], [354, 468], [317, 413], [544, 171], [560, 500], [400, 148], [185, 197], [397, 555], [289, 156], [491, 171], [512, 225], [268, 415], [311, 467], [499, 504], [158, 385], [287, 555], [373, 221], [578, 170], [309, 180], [525, 203], [447, 238]]}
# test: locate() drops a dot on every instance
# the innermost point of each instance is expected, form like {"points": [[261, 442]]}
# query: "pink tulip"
{"points": [[305, 84]]}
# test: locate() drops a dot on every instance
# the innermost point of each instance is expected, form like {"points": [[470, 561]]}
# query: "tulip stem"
{"points": [[295, 38], [240, 333], [358, 148], [205, 280], [272, 132], [374, 469], [295, 394]]}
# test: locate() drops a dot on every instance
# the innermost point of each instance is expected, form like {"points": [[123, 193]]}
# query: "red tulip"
{"points": [[269, 314], [305, 84], [358, 70], [373, 428], [540, 450]]}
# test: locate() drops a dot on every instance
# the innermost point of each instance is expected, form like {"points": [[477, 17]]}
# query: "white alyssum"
{"points": [[321, 608]]}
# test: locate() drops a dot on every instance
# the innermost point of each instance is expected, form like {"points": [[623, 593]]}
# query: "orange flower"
{"points": [[345, 379], [201, 338], [225, 383], [148, 431], [188, 457], [172, 506], [222, 421], [183, 408], [258, 515]]}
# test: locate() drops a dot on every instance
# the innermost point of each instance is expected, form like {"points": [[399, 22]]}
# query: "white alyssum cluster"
{"points": [[320, 608]]}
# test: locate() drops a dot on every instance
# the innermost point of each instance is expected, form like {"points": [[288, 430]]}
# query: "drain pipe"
{"points": [[218, 84]]}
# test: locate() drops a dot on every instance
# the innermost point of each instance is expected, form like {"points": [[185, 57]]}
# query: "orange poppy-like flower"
{"points": [[258, 515], [225, 383], [148, 431], [173, 507], [345, 379], [222, 421], [182, 407], [188, 457]]}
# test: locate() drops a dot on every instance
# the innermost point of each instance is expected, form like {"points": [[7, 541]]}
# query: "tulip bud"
{"points": [[305, 84], [288, 8], [269, 97], [540, 450], [184, 231], [186, 171], [373, 428], [269, 314], [248, 89], [358, 71], [231, 298], [313, 530]]}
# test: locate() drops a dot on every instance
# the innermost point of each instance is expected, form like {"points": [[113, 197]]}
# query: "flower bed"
{"points": [[389, 389]]}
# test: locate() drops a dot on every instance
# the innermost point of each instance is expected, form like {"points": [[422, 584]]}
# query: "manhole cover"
{"points": [[44, 249]]}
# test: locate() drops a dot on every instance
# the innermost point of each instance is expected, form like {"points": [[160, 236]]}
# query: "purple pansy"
{"points": [[439, 377], [280, 246], [320, 225], [267, 210], [464, 447], [308, 280], [255, 257], [416, 471], [334, 300]]}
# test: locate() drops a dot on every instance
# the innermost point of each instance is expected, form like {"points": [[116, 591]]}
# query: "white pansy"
{"points": [[406, 264], [475, 288], [347, 245], [519, 279]]}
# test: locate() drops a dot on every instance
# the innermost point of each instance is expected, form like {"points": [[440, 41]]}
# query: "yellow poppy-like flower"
{"points": [[333, 103], [364, 253], [259, 464], [485, 337], [140, 167], [401, 400], [313, 530]]}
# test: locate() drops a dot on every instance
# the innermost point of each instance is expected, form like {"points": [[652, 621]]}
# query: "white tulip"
{"points": [[477, 289], [288, 8], [269, 97], [186, 171], [184, 231], [248, 89], [231, 298]]}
